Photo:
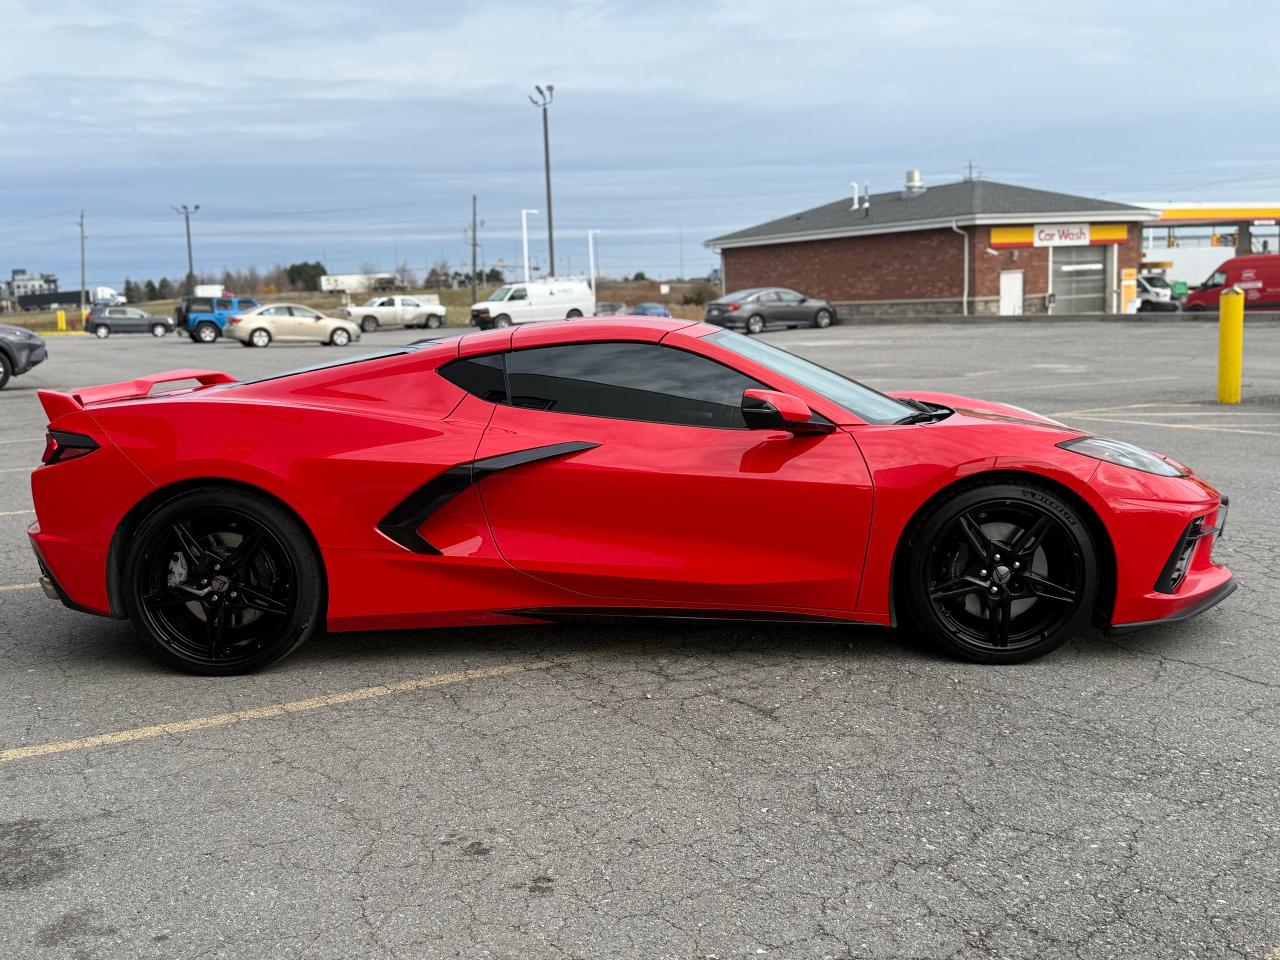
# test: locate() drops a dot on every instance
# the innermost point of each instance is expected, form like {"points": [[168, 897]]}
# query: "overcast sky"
{"points": [[307, 129]]}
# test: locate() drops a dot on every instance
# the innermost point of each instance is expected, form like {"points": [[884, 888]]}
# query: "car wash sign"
{"points": [[1060, 235]]}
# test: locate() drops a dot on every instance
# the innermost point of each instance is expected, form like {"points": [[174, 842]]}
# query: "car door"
{"points": [[767, 305], [642, 483], [409, 308], [277, 321], [792, 308], [518, 306], [306, 324]]}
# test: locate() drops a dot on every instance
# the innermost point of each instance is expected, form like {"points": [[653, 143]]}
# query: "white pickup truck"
{"points": [[379, 312]]}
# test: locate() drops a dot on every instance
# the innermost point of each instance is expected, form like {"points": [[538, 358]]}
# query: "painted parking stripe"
{"points": [[1177, 426], [289, 708], [16, 513], [17, 586], [30, 440], [17, 470]]}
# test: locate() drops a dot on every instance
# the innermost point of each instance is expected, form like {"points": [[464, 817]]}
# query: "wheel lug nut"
{"points": [[1017, 565], [994, 591], [996, 557], [982, 573]]}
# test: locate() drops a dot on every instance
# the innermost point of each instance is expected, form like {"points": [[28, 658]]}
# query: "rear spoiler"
{"points": [[57, 404]]}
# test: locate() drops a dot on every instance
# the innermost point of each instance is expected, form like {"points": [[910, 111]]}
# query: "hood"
{"points": [[984, 409]]}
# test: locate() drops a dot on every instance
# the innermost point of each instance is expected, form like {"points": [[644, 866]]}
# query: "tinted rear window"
{"points": [[201, 305]]}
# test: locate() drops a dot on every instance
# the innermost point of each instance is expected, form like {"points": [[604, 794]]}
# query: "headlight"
{"points": [[1121, 453]]}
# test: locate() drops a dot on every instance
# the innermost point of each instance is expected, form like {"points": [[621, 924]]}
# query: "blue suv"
{"points": [[205, 317]]}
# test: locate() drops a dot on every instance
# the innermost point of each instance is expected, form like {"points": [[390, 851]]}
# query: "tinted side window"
{"points": [[201, 305], [628, 381], [224, 304], [480, 376]]}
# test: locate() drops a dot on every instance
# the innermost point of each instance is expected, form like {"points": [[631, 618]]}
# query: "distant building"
{"points": [[22, 284], [974, 247]]}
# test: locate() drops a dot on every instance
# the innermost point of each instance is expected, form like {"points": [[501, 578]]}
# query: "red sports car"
{"points": [[635, 467]]}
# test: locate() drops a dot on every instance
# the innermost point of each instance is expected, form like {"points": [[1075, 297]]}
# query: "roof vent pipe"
{"points": [[914, 185]]}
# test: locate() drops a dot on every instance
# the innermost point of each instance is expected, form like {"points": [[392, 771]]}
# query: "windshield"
{"points": [[372, 302], [1156, 283], [500, 294], [863, 402]]}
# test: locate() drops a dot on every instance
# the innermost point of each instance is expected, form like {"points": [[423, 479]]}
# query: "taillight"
{"points": [[59, 445], [734, 306], [235, 320]]}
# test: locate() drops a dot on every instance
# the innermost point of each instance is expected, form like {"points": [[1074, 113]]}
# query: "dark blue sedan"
{"points": [[649, 310]]}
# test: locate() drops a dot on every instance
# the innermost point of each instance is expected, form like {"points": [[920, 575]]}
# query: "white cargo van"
{"points": [[547, 299]]}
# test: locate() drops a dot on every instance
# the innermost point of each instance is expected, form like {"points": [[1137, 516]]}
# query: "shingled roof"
{"points": [[964, 203]]}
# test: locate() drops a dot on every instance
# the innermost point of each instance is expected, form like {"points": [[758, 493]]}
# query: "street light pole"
{"points": [[543, 100], [591, 257], [524, 239], [191, 264], [82, 290]]}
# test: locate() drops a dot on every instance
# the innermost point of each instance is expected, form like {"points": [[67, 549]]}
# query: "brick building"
{"points": [[973, 247]]}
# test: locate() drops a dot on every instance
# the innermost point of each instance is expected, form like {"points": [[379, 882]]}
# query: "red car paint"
{"points": [[637, 515]]}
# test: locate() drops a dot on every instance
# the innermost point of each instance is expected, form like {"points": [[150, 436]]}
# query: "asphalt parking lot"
{"points": [[671, 791]]}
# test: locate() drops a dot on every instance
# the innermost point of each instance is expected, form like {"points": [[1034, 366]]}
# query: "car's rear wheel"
{"points": [[573, 314], [220, 581], [6, 370], [206, 332], [755, 323], [159, 329], [102, 331], [340, 337], [369, 324], [1001, 573], [822, 319]]}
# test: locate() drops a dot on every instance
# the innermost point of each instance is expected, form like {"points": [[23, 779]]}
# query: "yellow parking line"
{"points": [[294, 706], [18, 586]]}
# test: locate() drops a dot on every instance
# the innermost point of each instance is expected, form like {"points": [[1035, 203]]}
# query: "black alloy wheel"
{"points": [[1002, 573], [220, 581]]}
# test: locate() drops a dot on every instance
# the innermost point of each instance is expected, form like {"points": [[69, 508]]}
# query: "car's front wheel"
{"points": [[340, 337], [6, 370], [822, 319], [159, 329], [222, 581], [502, 320], [433, 322], [1001, 573], [573, 314]]}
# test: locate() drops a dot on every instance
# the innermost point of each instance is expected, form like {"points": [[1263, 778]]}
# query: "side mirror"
{"points": [[771, 410]]}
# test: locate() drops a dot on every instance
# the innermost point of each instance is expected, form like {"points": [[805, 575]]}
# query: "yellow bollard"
{"points": [[62, 319], [1230, 345]]}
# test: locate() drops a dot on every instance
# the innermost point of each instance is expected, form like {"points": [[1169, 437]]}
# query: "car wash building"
{"points": [[973, 247]]}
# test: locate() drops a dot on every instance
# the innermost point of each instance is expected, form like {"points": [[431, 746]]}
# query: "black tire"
{"points": [[205, 606], [1029, 589], [433, 322], [1196, 308], [260, 337], [502, 320], [206, 332], [159, 329], [755, 324], [822, 319], [6, 369], [101, 331], [340, 337], [369, 324], [573, 314]]}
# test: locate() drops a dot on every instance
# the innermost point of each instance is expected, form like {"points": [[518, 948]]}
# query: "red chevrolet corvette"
{"points": [[636, 467]]}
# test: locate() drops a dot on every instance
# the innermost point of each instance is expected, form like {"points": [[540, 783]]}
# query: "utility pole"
{"points": [[524, 239], [473, 248], [82, 290], [543, 100], [191, 264], [591, 257], [681, 241]]}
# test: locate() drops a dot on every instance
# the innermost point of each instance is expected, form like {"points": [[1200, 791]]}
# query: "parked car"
{"points": [[488, 479], [1257, 275], [20, 350], [650, 310], [763, 308], [1155, 293], [290, 323], [204, 318], [104, 320], [610, 308], [549, 299], [421, 311]]}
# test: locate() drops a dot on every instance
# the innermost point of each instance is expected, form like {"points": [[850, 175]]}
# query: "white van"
{"points": [[547, 299]]}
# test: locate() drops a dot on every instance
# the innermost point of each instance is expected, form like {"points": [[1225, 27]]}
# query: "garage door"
{"points": [[1079, 279]]}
